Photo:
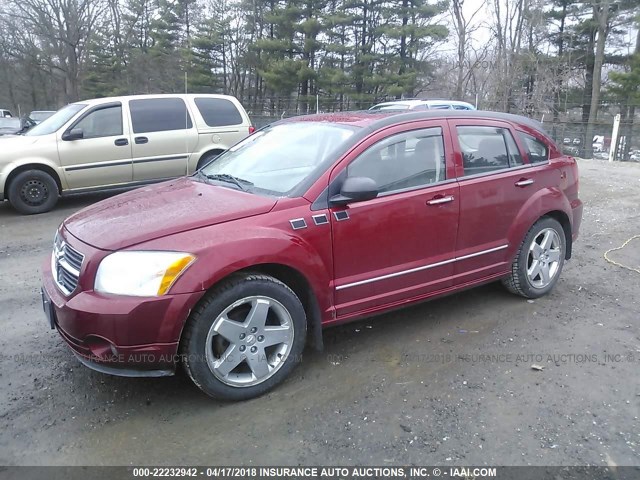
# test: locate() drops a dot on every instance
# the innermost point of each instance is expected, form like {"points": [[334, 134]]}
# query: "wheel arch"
{"points": [[548, 202], [218, 150], [296, 281], [301, 286], [33, 166], [563, 219]]}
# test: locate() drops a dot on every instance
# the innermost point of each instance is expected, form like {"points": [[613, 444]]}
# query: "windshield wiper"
{"points": [[241, 183]]}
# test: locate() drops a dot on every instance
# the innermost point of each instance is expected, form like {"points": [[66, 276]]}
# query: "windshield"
{"points": [[277, 159], [55, 121]]}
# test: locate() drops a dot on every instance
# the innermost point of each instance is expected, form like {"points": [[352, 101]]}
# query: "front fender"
{"points": [[224, 249], [544, 201], [34, 161]]}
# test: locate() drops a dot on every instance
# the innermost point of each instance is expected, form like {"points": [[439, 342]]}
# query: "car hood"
{"points": [[18, 144], [160, 210]]}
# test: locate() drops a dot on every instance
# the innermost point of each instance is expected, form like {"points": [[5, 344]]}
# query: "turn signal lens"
{"points": [[173, 272]]}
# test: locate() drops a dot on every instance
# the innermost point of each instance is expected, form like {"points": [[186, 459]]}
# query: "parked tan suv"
{"points": [[117, 142]]}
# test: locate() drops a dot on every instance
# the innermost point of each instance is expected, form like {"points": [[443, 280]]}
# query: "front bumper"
{"points": [[119, 335]]}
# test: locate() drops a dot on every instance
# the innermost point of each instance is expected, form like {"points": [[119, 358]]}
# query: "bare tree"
{"points": [[62, 29], [463, 29], [508, 28]]}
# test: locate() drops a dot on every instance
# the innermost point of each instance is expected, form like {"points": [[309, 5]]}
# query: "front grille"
{"points": [[73, 257], [66, 264]]}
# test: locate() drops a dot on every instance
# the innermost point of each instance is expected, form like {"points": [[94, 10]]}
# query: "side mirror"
{"points": [[356, 189], [73, 134]]}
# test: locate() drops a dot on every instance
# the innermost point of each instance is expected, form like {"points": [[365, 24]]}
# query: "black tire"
{"points": [[519, 281], [193, 344], [208, 157], [33, 191]]}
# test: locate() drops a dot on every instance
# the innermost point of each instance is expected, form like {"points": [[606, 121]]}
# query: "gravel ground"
{"points": [[447, 382]]}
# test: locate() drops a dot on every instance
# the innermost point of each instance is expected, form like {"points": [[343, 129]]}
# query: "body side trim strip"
{"points": [[99, 165], [419, 269], [125, 162]]}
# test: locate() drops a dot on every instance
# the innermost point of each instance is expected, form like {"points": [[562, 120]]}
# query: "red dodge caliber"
{"points": [[308, 223]]}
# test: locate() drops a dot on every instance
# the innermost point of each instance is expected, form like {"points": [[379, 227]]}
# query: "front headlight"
{"points": [[141, 274]]}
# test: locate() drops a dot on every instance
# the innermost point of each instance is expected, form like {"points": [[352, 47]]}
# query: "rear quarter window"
{"points": [[159, 115], [538, 152], [218, 112]]}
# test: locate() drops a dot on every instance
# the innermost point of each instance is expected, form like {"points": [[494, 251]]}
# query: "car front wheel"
{"points": [[539, 261], [244, 338], [33, 191]]}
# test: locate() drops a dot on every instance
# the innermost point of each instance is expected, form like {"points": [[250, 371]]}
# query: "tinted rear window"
{"points": [[486, 149], [159, 115], [218, 112]]}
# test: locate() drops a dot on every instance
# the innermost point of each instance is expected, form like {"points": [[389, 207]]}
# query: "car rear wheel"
{"points": [[33, 191], [539, 261], [244, 338], [208, 157]]}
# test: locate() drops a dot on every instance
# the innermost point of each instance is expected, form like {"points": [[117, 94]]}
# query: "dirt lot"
{"points": [[448, 382]]}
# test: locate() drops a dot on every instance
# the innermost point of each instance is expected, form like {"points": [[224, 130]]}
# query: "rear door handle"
{"points": [[440, 200], [140, 140], [523, 182], [121, 142]]}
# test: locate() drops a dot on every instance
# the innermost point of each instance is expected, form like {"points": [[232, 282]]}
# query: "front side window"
{"points": [[277, 159], [487, 149], [159, 115], [538, 151], [218, 112], [403, 161], [104, 122]]}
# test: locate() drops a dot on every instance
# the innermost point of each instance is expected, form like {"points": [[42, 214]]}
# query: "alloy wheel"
{"points": [[543, 260], [249, 341]]}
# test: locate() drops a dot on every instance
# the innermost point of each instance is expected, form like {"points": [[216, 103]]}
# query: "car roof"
{"points": [[361, 118], [374, 120], [94, 101]]}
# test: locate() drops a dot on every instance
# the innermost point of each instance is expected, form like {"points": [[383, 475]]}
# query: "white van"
{"points": [[117, 142]]}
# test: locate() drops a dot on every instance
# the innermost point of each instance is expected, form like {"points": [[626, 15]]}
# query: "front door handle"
{"points": [[140, 140], [121, 142], [523, 182], [440, 200]]}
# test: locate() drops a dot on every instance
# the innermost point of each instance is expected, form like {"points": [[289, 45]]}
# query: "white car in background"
{"points": [[423, 105], [39, 116]]}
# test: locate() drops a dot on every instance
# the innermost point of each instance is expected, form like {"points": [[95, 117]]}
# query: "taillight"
{"points": [[251, 129]]}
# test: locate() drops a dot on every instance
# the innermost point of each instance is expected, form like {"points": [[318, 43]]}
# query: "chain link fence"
{"points": [[569, 130]]}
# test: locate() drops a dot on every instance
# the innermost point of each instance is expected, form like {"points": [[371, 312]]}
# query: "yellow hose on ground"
{"points": [[613, 262]]}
